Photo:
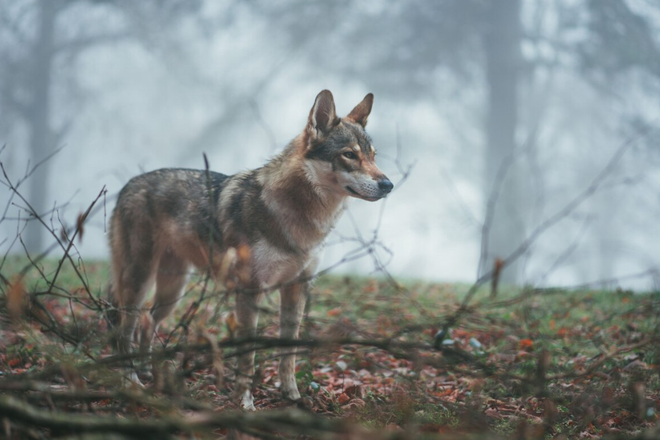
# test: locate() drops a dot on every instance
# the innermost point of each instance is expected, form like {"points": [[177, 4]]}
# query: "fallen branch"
{"points": [[293, 420]]}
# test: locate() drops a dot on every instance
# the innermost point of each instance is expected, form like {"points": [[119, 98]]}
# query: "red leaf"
{"points": [[343, 398]]}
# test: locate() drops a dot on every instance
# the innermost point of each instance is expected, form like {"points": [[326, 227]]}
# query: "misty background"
{"points": [[486, 112]]}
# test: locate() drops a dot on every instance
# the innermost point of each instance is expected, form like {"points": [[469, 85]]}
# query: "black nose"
{"points": [[385, 185]]}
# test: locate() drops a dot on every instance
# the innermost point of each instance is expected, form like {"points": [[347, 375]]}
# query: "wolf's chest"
{"points": [[274, 267]]}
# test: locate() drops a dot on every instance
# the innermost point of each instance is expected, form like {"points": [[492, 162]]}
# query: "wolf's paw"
{"points": [[131, 380], [305, 403], [247, 401], [290, 393]]}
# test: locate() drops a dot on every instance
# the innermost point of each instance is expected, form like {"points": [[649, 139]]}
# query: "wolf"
{"points": [[170, 220]]}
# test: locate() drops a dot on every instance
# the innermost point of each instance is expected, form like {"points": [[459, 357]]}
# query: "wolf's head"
{"points": [[339, 154]]}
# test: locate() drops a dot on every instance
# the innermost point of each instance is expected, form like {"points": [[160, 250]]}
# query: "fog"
{"points": [[544, 111]]}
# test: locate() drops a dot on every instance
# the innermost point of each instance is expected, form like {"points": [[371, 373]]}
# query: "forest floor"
{"points": [[526, 364]]}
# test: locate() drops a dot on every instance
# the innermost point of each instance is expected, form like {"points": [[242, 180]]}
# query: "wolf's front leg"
{"points": [[292, 306], [247, 315]]}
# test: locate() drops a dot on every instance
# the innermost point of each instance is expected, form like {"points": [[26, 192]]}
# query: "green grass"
{"points": [[591, 339]]}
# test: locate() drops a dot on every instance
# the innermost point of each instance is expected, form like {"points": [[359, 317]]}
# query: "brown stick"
{"points": [[292, 420]]}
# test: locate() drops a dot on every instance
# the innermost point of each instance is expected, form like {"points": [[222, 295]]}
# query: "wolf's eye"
{"points": [[350, 155]]}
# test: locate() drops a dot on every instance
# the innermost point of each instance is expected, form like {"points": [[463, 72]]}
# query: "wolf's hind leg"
{"points": [[171, 280], [292, 307], [135, 283], [247, 314]]}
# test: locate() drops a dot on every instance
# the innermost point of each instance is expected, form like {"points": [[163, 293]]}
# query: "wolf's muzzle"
{"points": [[385, 185]]}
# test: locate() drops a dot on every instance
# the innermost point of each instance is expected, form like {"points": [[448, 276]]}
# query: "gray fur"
{"points": [[276, 216]]}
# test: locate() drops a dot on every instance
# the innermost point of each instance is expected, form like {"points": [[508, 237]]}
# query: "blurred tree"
{"points": [[619, 55], [501, 38], [39, 44], [620, 39], [401, 47], [402, 50], [26, 90]]}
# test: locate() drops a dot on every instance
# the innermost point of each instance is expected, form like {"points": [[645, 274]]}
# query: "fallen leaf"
{"points": [[80, 222], [15, 298], [232, 323]]}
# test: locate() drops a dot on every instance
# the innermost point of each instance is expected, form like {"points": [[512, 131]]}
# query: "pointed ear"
{"points": [[323, 116], [361, 111]]}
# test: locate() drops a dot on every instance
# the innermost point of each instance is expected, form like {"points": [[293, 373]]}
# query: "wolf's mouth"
{"points": [[360, 196]]}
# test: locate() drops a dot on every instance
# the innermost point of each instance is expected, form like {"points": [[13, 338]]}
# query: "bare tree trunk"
{"points": [[41, 134], [606, 237], [501, 42]]}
